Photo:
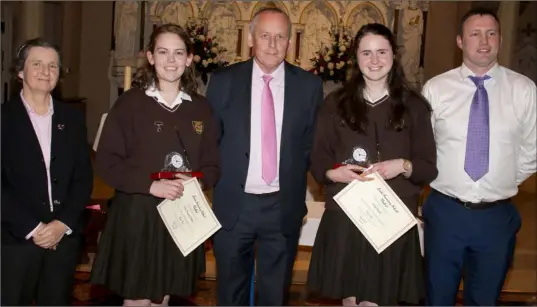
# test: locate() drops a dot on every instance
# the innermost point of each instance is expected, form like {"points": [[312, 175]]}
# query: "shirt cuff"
{"points": [[31, 234], [68, 231]]}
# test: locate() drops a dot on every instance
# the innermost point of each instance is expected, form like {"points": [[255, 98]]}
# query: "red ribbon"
{"points": [[171, 175]]}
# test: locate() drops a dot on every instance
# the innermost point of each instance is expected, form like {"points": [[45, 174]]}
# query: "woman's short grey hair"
{"points": [[22, 54], [272, 10]]}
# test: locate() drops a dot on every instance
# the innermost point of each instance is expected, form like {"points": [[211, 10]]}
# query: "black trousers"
{"points": [[33, 274], [258, 228]]}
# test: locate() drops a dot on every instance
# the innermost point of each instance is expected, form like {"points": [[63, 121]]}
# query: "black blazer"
{"points": [[229, 93], [25, 200]]}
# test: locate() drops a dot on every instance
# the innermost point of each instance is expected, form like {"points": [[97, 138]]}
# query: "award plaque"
{"points": [[359, 156]]}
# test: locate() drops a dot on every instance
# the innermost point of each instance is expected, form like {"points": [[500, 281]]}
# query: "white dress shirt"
{"points": [[254, 180], [512, 115]]}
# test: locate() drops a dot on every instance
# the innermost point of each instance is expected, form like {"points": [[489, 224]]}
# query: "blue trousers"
{"points": [[476, 245]]}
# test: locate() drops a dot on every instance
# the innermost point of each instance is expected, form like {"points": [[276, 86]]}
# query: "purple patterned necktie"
{"points": [[476, 163]]}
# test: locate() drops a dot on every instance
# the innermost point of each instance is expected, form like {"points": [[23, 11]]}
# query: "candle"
{"points": [[127, 78]]}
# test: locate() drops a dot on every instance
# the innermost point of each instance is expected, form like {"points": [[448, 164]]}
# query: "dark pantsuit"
{"points": [[258, 228], [475, 244], [32, 273]]}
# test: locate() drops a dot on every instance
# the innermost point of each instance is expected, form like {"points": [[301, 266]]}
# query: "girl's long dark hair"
{"points": [[146, 76], [352, 106]]}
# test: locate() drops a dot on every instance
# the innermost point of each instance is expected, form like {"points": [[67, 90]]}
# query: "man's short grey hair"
{"points": [[271, 10]]}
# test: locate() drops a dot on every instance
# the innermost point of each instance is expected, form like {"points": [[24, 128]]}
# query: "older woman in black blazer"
{"points": [[46, 183]]}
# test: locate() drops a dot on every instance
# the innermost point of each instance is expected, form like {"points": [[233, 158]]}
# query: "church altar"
{"points": [[313, 23]]}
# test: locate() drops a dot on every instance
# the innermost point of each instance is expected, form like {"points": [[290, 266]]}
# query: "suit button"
{"points": [[247, 155], [52, 159], [45, 203], [242, 186], [54, 180], [56, 202]]}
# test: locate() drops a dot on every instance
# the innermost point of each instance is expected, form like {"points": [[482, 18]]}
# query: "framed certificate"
{"points": [[376, 211], [189, 219]]}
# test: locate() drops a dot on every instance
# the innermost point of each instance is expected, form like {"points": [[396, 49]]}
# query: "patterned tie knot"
{"points": [[267, 78], [479, 81]]}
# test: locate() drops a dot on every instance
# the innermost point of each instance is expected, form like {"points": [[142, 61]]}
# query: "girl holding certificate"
{"points": [[161, 126], [375, 123]]}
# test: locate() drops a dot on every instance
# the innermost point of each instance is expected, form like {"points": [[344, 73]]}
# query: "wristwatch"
{"points": [[407, 165]]}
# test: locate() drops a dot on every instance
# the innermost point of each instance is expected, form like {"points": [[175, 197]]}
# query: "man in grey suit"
{"points": [[266, 110]]}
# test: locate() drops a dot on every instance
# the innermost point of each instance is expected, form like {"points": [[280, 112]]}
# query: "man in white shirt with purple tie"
{"points": [[484, 121]]}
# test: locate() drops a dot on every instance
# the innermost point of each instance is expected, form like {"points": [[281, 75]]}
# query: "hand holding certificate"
{"points": [[376, 211], [189, 219]]}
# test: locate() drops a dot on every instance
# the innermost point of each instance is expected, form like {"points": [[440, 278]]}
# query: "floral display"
{"points": [[332, 62], [208, 54]]}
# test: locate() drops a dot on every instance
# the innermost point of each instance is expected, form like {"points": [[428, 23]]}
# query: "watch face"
{"points": [[177, 161], [359, 155], [406, 165]]}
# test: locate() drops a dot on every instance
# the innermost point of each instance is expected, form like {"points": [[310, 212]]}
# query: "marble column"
{"points": [[31, 19], [508, 15]]}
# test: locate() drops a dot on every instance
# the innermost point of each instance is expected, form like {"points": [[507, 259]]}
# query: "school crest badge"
{"points": [[198, 126]]}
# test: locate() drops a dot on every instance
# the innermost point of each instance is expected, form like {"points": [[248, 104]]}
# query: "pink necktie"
{"points": [[268, 133]]}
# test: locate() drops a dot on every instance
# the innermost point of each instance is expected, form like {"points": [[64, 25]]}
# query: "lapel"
{"points": [[26, 131], [243, 86], [291, 96]]}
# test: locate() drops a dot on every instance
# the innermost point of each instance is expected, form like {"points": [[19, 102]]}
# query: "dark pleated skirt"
{"points": [[344, 264], [137, 258]]}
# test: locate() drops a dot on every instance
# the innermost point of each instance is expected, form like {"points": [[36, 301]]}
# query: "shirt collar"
{"points": [[493, 72], [152, 91], [277, 75], [32, 111], [368, 98]]}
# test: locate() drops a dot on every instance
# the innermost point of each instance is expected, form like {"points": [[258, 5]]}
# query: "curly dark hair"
{"points": [[22, 55], [352, 106], [146, 76]]}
